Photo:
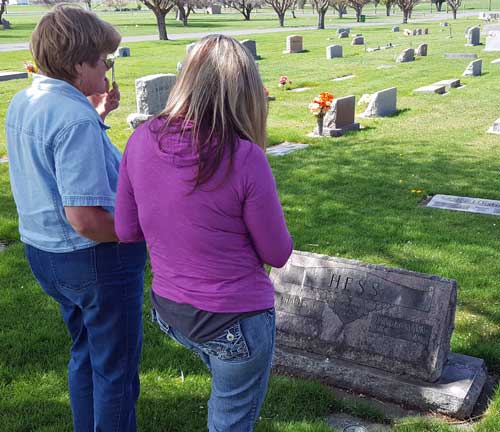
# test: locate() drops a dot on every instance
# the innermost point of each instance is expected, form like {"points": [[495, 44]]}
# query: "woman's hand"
{"points": [[106, 102]]}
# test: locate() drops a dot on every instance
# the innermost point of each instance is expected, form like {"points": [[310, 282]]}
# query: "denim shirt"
{"points": [[59, 155]]}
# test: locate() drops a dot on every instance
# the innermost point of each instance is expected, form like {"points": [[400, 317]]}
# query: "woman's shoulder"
{"points": [[249, 154]]}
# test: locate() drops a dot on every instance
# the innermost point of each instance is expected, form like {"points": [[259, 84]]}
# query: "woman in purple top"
{"points": [[195, 183]]}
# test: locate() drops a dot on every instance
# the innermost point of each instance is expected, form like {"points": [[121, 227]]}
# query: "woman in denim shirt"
{"points": [[64, 172]]}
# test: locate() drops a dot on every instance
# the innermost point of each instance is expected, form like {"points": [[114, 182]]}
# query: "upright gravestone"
{"points": [[151, 94], [474, 68], [376, 330], [358, 40], [473, 36], [426, 31], [343, 35], [422, 50], [407, 55], [293, 45], [340, 118], [251, 46], [382, 103], [343, 30], [419, 32], [123, 51], [214, 9], [6, 24], [493, 41], [495, 128], [333, 51], [395, 29]]}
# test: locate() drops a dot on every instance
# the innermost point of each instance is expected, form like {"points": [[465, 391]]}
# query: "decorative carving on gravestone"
{"points": [[382, 103], [151, 94], [333, 51], [293, 45], [422, 50], [376, 330], [251, 46], [340, 118], [407, 55], [474, 68], [473, 36]]}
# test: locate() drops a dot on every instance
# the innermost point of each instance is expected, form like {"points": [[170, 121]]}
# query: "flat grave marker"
{"points": [[454, 56], [431, 89], [285, 148], [465, 204], [7, 76]]}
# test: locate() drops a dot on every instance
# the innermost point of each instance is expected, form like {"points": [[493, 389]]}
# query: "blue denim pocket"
{"points": [[230, 345], [74, 270]]}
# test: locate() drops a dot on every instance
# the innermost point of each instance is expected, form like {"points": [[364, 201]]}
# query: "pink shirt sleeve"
{"points": [[127, 226], [263, 214]]}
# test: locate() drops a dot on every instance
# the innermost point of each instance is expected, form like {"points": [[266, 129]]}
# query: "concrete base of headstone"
{"points": [[285, 148], [7, 76], [342, 78], [454, 394], [134, 120], [334, 132], [293, 52], [433, 89], [382, 103], [451, 83], [299, 89], [495, 129]]}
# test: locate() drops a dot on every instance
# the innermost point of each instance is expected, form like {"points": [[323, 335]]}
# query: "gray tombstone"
{"points": [[444, 24], [293, 45], [414, 32], [426, 31], [382, 103], [6, 24], [340, 118], [358, 40], [189, 47], [214, 9], [333, 51], [251, 46], [493, 41], [151, 94], [432, 89], [123, 52], [473, 36], [422, 50], [343, 35], [7, 76], [420, 32], [460, 56], [395, 29], [407, 55], [495, 128], [343, 30], [474, 68], [449, 83], [376, 330]]}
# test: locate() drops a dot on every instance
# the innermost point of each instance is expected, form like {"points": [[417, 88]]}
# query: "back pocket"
{"points": [[230, 345], [74, 270]]}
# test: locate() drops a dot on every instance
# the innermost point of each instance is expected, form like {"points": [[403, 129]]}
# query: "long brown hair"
{"points": [[220, 93]]}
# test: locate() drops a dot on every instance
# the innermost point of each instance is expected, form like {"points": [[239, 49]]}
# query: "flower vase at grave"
{"points": [[319, 120]]}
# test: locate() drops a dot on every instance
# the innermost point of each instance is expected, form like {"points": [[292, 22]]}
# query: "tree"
{"points": [[406, 7], [244, 7], [321, 7], [3, 8], [388, 5], [160, 8], [439, 4], [357, 5], [280, 7], [184, 9], [340, 6], [454, 5]]}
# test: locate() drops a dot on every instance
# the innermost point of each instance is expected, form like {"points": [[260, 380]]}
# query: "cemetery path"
{"points": [[180, 36]]}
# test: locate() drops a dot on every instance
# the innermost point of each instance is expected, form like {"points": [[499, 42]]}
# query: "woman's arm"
{"points": [[94, 223]]}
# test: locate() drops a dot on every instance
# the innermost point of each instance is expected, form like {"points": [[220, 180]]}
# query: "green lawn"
{"points": [[349, 197]]}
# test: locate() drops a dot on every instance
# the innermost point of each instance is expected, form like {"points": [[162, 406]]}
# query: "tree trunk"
{"points": [[358, 15], [388, 9], [246, 13], [341, 12], [405, 16], [321, 19], [3, 7], [160, 22], [439, 6], [293, 13], [454, 13], [281, 17]]}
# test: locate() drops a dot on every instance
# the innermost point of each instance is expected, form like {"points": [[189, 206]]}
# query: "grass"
{"points": [[349, 197]]}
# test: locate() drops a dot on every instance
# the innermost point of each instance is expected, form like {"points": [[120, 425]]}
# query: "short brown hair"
{"points": [[68, 35]]}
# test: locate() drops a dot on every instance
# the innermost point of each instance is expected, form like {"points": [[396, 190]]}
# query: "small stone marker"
{"points": [[493, 41], [293, 45], [342, 78], [333, 51], [299, 89], [7, 76], [422, 50], [450, 83], [6, 24], [151, 94], [343, 35], [474, 68], [340, 118], [395, 29], [495, 128], [420, 32], [496, 61], [407, 55], [376, 330], [385, 67], [465, 204], [285, 148], [251, 46], [382, 103], [473, 36], [444, 24], [358, 40], [414, 33], [426, 31], [433, 88], [123, 52], [343, 30], [460, 56]]}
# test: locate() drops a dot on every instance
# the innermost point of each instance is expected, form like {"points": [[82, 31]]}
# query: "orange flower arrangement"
{"points": [[321, 104], [30, 66]]}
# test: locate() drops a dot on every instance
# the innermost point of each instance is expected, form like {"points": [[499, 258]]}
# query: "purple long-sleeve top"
{"points": [[208, 245]]}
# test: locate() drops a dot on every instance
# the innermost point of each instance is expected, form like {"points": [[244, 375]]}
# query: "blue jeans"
{"points": [[240, 363], [100, 293]]}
